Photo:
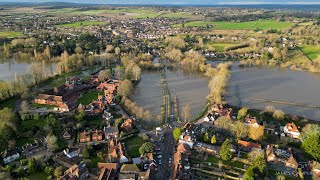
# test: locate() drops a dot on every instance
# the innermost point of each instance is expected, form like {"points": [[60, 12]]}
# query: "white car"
{"points": [[160, 156]]}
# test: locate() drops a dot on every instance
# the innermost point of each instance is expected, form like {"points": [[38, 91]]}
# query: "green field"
{"points": [[220, 47], [10, 34], [88, 97], [261, 24], [133, 144], [312, 51], [124, 12], [82, 23], [28, 124]]}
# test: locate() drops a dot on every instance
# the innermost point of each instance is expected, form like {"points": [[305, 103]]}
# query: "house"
{"points": [[247, 146], [64, 97], [97, 135], [111, 132], [251, 121], [181, 162], [131, 171], [281, 156], [291, 130], [315, 168], [187, 139], [10, 155], [67, 134], [71, 152], [127, 125], [115, 151], [75, 80], [206, 148], [31, 149], [85, 137], [75, 172], [108, 171], [220, 111], [107, 116], [110, 86]]}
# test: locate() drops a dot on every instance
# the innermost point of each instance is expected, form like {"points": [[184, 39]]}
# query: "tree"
{"points": [[146, 147], [25, 107], [281, 177], [6, 51], [32, 165], [213, 139], [249, 174], [242, 113], [177, 133], [186, 112], [78, 50], [51, 141], [47, 52], [125, 88], [104, 75], [239, 130], [48, 170], [225, 152], [85, 153], [310, 137], [58, 171], [206, 137], [278, 114], [224, 123], [257, 159], [117, 51], [256, 133]]}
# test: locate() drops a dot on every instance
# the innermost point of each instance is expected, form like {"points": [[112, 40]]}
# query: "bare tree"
{"points": [[186, 112]]}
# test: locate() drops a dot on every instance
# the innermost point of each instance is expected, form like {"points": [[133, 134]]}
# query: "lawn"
{"points": [[296, 56], [133, 144], [38, 175], [220, 47], [88, 97], [312, 51], [9, 103], [214, 159], [28, 124], [22, 141], [82, 23], [34, 105], [10, 34], [261, 24]]}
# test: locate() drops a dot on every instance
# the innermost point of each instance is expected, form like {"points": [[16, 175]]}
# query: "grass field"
{"points": [[10, 34], [88, 97], [312, 51], [261, 24], [123, 12], [9, 103], [220, 47], [296, 56], [133, 144], [28, 124], [82, 23]]}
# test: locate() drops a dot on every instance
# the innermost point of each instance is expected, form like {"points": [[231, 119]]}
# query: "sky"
{"points": [[178, 2]]}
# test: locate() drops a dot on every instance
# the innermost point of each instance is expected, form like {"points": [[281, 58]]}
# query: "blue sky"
{"points": [[203, 2]]}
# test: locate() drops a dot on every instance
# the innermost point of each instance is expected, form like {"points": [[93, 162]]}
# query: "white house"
{"points": [[71, 152], [187, 139], [291, 130], [10, 155]]}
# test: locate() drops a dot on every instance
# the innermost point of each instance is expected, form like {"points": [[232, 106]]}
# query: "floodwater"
{"points": [[148, 93], [10, 69], [190, 89], [248, 86]]}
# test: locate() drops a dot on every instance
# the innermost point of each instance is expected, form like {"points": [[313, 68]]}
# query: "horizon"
{"points": [[168, 2]]}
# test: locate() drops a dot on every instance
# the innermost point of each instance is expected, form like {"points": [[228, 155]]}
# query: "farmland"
{"points": [[249, 25], [82, 23], [313, 52], [11, 34], [220, 47]]}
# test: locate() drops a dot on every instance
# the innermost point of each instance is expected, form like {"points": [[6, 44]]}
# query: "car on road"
{"points": [[159, 156], [159, 162], [169, 174]]}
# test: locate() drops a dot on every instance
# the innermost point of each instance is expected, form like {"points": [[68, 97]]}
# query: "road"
{"points": [[165, 170]]}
